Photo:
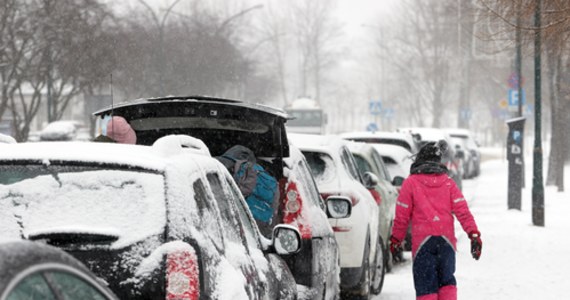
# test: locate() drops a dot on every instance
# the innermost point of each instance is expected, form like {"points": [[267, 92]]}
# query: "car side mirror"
{"points": [[338, 207], [370, 180], [398, 181], [286, 239]]}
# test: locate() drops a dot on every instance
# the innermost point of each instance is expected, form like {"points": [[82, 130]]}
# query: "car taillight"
{"points": [[376, 196], [182, 276], [293, 208]]}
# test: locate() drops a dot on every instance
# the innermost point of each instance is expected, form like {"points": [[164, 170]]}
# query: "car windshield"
{"points": [[122, 206], [322, 166]]}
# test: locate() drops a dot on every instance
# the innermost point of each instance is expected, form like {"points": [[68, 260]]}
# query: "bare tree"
{"points": [[316, 30], [556, 37]]}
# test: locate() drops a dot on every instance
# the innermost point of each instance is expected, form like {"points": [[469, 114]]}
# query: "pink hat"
{"points": [[119, 130]]}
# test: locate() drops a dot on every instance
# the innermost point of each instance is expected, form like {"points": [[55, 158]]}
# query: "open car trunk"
{"points": [[219, 123]]}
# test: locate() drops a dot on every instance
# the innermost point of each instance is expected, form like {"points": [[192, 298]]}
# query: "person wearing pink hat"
{"points": [[118, 131]]}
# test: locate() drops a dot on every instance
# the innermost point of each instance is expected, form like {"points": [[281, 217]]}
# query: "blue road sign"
{"points": [[514, 97], [389, 113], [372, 127], [375, 107], [465, 113]]}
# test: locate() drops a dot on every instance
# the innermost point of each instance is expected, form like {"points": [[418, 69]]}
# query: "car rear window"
{"points": [[117, 206], [322, 166]]}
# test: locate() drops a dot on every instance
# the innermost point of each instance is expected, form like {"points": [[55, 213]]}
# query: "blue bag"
{"points": [[259, 189]]}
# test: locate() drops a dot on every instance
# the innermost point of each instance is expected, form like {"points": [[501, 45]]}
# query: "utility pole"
{"points": [[537, 181]]}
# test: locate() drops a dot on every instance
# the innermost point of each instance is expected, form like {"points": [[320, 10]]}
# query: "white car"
{"points": [[336, 173], [396, 159], [402, 139]]}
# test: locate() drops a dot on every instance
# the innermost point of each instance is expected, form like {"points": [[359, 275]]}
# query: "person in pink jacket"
{"points": [[429, 199]]}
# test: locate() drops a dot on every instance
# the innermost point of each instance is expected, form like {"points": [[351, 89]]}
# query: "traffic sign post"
{"points": [[375, 107], [513, 99]]}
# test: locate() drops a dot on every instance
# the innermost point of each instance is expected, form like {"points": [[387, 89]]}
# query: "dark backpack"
{"points": [[257, 186]]}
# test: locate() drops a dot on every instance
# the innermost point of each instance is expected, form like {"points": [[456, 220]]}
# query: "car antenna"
{"points": [[112, 108]]}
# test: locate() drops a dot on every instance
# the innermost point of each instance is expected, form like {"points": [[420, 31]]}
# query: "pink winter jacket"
{"points": [[429, 201]]}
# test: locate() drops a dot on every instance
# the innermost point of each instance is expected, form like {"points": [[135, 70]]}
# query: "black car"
{"points": [[35, 271], [160, 222], [223, 123]]}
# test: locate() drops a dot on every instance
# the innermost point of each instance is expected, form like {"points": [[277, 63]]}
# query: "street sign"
{"points": [[514, 81], [503, 103], [465, 113], [372, 127], [375, 107], [514, 99], [389, 113]]}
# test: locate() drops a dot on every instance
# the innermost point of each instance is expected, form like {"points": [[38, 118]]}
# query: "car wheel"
{"points": [[379, 268]]}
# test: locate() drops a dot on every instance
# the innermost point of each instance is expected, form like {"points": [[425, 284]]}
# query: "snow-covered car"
{"points": [[6, 139], [402, 139], [64, 130], [465, 138], [368, 159], [223, 123], [397, 160], [453, 158], [317, 264], [336, 173], [160, 222], [34, 271]]}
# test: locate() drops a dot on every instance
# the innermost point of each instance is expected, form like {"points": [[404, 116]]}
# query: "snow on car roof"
{"points": [[313, 142], [6, 139], [396, 152], [377, 134], [427, 134], [458, 132], [88, 152]]}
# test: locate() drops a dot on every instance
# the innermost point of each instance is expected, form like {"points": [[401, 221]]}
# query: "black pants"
{"points": [[434, 266]]}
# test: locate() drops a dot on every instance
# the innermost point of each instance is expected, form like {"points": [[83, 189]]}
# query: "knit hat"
{"points": [[432, 151], [119, 130]]}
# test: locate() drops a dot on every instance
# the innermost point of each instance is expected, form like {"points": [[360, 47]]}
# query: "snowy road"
{"points": [[519, 260]]}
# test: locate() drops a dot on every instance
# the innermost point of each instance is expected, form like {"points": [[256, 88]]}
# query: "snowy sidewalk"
{"points": [[519, 260]]}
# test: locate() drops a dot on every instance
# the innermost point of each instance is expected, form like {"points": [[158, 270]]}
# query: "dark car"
{"points": [[35, 271], [223, 123], [160, 222]]}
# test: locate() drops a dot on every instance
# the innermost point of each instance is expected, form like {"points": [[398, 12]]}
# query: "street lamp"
{"points": [[160, 25], [237, 15]]}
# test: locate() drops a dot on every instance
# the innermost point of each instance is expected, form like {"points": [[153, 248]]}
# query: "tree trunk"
{"points": [[555, 175]]}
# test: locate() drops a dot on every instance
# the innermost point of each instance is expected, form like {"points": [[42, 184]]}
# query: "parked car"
{"points": [[402, 139], [34, 271], [160, 222], [398, 162], [223, 123], [453, 158], [336, 173], [368, 159], [464, 138], [64, 130]]}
